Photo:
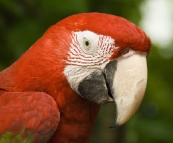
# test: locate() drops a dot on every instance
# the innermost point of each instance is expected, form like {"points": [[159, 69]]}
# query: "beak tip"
{"points": [[115, 125]]}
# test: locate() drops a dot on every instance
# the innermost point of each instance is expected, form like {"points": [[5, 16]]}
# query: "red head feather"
{"points": [[124, 32]]}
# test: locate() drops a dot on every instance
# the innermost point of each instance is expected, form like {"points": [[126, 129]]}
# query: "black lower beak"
{"points": [[97, 86], [94, 88]]}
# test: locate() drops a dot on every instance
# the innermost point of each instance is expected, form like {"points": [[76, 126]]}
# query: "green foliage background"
{"points": [[22, 22]]}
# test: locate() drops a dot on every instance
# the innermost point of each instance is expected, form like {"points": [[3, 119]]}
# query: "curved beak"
{"points": [[123, 82], [129, 84]]}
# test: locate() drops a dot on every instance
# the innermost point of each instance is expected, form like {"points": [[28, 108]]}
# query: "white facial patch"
{"points": [[88, 52], [90, 49]]}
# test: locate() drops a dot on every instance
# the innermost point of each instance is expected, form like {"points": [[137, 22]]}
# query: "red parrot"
{"points": [[53, 92]]}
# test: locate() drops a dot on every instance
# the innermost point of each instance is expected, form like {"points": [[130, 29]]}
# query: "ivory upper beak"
{"points": [[129, 85]]}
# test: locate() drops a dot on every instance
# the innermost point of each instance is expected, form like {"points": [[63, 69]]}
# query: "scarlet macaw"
{"points": [[53, 92]]}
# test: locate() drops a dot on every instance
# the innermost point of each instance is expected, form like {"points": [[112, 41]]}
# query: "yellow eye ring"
{"points": [[86, 43]]}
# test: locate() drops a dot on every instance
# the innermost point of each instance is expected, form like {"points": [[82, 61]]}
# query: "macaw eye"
{"points": [[86, 43]]}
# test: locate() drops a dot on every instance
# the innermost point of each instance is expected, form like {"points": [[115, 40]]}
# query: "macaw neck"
{"points": [[77, 118]]}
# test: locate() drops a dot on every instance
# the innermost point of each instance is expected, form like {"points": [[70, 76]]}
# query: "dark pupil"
{"points": [[86, 43]]}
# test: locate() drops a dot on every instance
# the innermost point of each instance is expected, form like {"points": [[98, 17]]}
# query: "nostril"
{"points": [[125, 51]]}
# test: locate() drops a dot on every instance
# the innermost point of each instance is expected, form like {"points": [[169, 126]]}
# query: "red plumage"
{"points": [[38, 75]]}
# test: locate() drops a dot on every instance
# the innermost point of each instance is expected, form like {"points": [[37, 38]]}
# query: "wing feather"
{"points": [[27, 117]]}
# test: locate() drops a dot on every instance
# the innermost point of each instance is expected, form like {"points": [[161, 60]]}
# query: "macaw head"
{"points": [[106, 61], [102, 58]]}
